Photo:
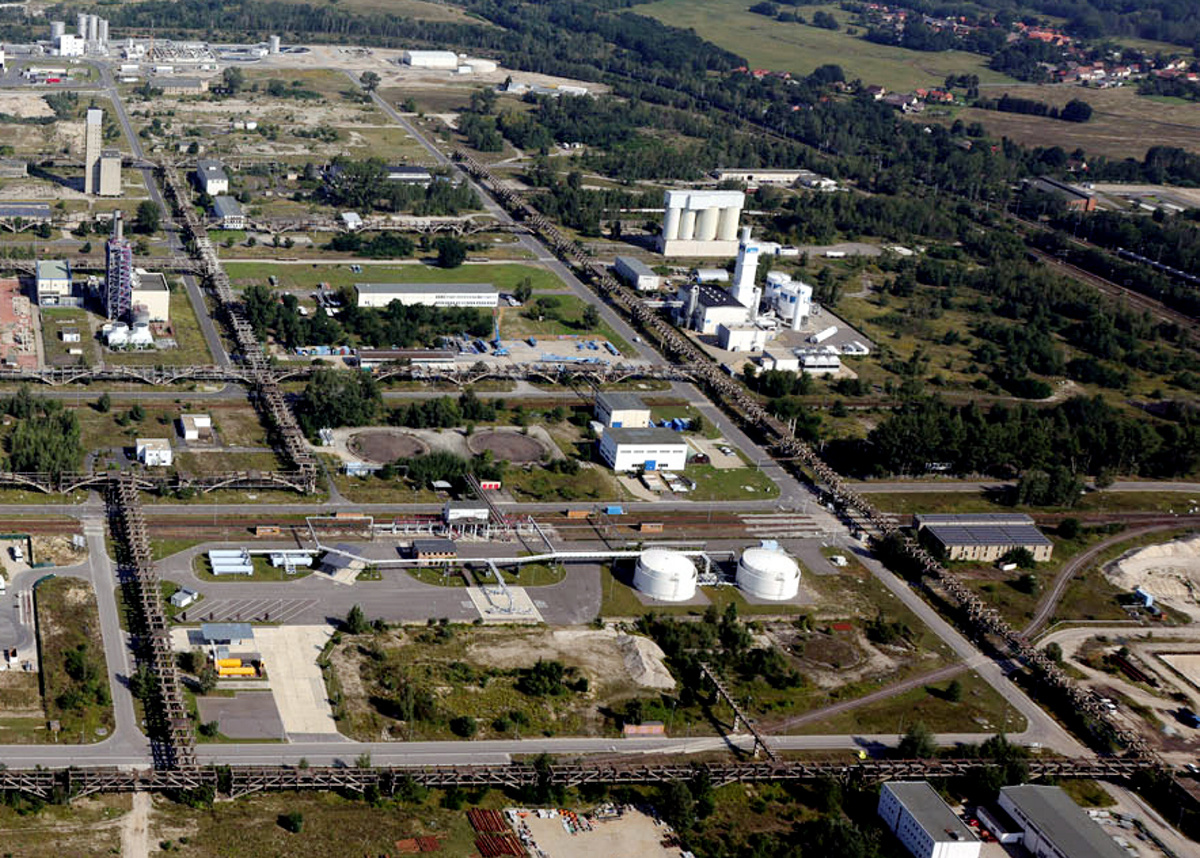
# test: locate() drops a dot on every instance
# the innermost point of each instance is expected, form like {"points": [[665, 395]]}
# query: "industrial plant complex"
{"points": [[366, 434]]}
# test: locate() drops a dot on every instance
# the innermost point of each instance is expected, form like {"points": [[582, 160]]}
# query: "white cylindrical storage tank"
{"points": [[483, 66], [727, 224], [768, 574], [273, 44], [706, 224], [93, 27], [81, 24], [102, 31], [57, 28], [671, 223], [687, 225], [665, 575]]}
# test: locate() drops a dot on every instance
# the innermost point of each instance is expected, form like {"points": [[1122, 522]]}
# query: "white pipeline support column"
{"points": [[728, 223], [706, 224], [687, 225]]}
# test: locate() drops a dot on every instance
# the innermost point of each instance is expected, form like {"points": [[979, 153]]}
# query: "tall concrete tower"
{"points": [[93, 137], [743, 273], [120, 277]]}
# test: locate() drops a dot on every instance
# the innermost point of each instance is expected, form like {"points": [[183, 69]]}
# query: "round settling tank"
{"points": [[767, 574], [666, 575]]}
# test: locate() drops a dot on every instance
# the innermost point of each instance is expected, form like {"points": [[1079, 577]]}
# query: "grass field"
{"points": [[263, 571], [981, 709], [798, 48], [57, 319], [504, 277], [908, 503], [73, 672], [421, 10], [1123, 124]]}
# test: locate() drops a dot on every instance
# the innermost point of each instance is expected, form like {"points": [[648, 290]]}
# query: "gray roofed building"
{"points": [[1010, 518], [715, 296], [26, 211], [427, 294], [228, 211], [1054, 825], [924, 823], [404, 173], [53, 269], [644, 435], [986, 542], [433, 549], [622, 410], [226, 633]]}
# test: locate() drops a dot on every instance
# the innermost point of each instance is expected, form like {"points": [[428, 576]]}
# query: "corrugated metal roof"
{"points": [[226, 631], [1062, 822], [423, 288], [226, 206], [620, 401]]}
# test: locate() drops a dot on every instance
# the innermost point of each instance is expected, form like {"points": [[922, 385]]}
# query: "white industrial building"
{"points": [[53, 282], [228, 213], [151, 296], [428, 294], [925, 824], [194, 427], [465, 511], [211, 177], [650, 449], [665, 575], [154, 452], [701, 223], [1054, 826], [69, 45], [431, 60], [705, 307], [780, 361], [768, 574], [622, 411], [787, 301], [742, 338], [636, 273]]}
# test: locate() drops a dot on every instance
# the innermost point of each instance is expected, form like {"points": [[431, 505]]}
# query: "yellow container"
{"points": [[229, 662], [237, 671]]}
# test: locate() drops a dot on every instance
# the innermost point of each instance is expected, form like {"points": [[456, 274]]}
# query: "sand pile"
{"points": [[1169, 572], [644, 662]]}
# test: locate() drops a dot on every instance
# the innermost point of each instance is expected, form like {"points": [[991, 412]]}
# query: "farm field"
{"points": [[799, 48], [1123, 125]]}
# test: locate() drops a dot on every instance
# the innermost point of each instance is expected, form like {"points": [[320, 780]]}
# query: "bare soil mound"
{"points": [[510, 446], [384, 445]]}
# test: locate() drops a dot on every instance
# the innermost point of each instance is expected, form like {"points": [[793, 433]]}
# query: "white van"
{"points": [[18, 554]]}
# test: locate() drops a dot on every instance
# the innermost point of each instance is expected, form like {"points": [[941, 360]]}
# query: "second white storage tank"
{"points": [[768, 574]]}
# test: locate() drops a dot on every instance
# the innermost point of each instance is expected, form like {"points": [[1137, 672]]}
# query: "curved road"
{"points": [[1080, 562]]}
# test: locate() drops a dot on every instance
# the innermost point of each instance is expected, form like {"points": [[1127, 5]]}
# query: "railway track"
{"points": [[1122, 293]]}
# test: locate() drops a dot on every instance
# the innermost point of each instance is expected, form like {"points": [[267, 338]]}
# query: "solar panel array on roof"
{"points": [[1022, 534]]}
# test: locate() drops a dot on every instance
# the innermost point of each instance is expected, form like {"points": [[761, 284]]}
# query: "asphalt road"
{"points": [[1049, 601], [195, 295]]}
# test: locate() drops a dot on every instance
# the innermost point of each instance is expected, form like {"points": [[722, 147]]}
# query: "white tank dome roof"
{"points": [[665, 574], [768, 574]]}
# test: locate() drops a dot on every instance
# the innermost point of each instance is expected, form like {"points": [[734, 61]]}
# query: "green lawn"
{"points": [[57, 319], [74, 675], [730, 484], [980, 710], [504, 277], [799, 48]]}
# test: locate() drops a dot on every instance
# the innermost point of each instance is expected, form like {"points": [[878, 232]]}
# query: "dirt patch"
{"points": [[1169, 572], [508, 446], [606, 655], [632, 834], [24, 106], [386, 446], [20, 695], [57, 550]]}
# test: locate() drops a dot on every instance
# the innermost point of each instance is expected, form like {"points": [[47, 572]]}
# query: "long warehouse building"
{"points": [[428, 294], [983, 538]]}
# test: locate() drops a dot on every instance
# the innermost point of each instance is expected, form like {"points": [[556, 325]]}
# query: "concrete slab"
{"points": [[494, 607], [721, 461], [290, 656], [246, 715]]}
